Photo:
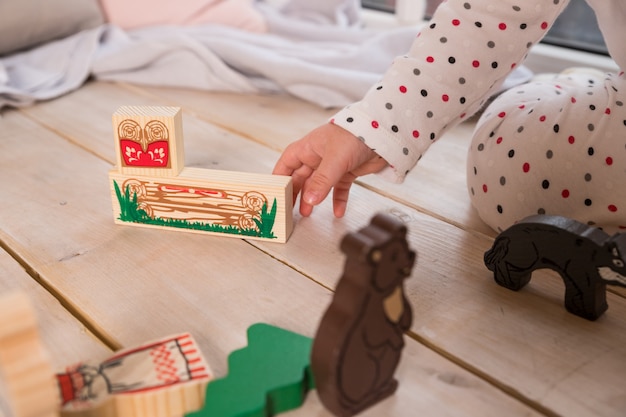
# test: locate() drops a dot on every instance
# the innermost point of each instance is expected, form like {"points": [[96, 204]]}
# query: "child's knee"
{"points": [[554, 149]]}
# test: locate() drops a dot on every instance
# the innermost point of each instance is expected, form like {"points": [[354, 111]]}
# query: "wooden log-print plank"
{"points": [[230, 203]]}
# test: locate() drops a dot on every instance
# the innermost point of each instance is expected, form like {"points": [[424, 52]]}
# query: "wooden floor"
{"points": [[475, 349]]}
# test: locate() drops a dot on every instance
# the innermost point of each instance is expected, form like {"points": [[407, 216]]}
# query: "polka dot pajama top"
{"points": [[554, 147]]}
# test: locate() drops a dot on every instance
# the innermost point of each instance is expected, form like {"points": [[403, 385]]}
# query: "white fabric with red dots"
{"points": [[455, 63], [553, 147]]}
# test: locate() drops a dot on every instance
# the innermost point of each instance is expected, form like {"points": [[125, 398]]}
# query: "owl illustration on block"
{"points": [[144, 146], [149, 140]]}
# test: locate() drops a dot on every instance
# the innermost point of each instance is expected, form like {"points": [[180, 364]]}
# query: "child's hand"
{"points": [[328, 157]]}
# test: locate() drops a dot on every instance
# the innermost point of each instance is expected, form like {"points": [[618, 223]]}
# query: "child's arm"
{"points": [[456, 62]]}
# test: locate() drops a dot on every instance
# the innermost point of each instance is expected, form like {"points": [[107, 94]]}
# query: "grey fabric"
{"points": [[27, 23]]}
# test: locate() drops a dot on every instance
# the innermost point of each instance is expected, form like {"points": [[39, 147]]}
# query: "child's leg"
{"points": [[556, 147]]}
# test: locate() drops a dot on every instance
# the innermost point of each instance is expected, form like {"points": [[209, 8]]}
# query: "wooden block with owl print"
{"points": [[149, 140], [150, 186]]}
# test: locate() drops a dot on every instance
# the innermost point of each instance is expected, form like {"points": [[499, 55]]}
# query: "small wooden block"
{"points": [[269, 376], [149, 140], [25, 369], [360, 338], [166, 378], [586, 258]]}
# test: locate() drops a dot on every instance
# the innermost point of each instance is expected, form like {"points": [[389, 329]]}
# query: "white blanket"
{"points": [[314, 50]]}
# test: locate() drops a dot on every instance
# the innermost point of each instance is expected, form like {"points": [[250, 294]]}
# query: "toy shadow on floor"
{"points": [[586, 257]]}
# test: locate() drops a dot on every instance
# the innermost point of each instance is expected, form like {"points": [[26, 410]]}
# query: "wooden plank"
{"points": [[139, 284], [619, 291], [206, 145], [64, 337]]}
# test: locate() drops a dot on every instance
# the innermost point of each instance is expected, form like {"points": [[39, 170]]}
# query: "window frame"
{"points": [[543, 58]]}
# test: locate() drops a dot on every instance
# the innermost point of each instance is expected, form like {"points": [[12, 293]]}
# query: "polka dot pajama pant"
{"points": [[553, 147]]}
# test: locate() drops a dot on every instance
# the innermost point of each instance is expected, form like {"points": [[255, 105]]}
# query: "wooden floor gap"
{"points": [[482, 375], [422, 210], [251, 243], [105, 339]]}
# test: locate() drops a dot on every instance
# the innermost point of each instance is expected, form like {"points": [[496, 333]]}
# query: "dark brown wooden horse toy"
{"points": [[586, 257]]}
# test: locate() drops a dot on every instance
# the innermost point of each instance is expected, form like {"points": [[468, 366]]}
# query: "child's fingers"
{"points": [[305, 208], [298, 161], [287, 163], [341, 192], [330, 171], [298, 178]]}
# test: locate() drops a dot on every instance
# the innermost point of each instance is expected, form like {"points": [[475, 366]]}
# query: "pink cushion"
{"points": [[132, 14]]}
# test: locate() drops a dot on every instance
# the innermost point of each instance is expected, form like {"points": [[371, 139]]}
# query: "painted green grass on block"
{"points": [[130, 212], [129, 207], [266, 224]]}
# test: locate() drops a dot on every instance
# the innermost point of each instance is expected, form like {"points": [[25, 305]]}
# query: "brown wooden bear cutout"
{"points": [[360, 337]]}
